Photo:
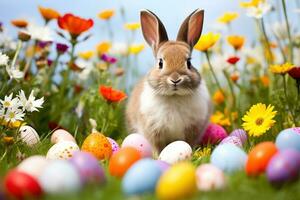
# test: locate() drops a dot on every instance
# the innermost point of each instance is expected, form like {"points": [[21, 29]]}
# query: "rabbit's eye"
{"points": [[188, 63], [160, 64]]}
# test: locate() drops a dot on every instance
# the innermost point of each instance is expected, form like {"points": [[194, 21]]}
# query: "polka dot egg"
{"points": [[62, 150], [98, 145], [114, 145], [175, 152]]}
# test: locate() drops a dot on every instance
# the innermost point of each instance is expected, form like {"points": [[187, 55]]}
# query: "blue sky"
{"points": [[171, 12]]}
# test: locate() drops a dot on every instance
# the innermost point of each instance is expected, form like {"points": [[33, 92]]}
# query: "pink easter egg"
{"points": [[114, 145], [209, 177], [61, 135], [213, 134], [138, 142], [241, 134], [232, 140]]}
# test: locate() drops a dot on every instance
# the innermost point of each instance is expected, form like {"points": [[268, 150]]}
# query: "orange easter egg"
{"points": [[259, 157], [122, 160], [98, 145]]}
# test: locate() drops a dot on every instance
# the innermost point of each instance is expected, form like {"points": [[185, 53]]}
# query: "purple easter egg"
{"points": [[232, 140], [213, 134], [89, 168], [284, 166], [296, 129], [164, 166], [114, 145], [241, 134]]}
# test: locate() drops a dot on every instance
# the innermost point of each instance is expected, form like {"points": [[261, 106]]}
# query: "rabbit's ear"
{"points": [[191, 28], [153, 30]]}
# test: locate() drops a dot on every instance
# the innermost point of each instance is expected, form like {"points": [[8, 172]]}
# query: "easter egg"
{"points": [[259, 157], [209, 178], [61, 135], [213, 134], [98, 145], [232, 140], [284, 167], [178, 182], [228, 157], [164, 166], [62, 150], [60, 176], [175, 152], [241, 134], [122, 160], [33, 165], [141, 177], [89, 168], [296, 129], [288, 139], [114, 145], [29, 136], [139, 142], [20, 185]]}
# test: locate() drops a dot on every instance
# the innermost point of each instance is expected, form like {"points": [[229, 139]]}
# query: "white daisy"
{"points": [[10, 102], [30, 104], [14, 73], [13, 115], [259, 11], [41, 33], [3, 59]]}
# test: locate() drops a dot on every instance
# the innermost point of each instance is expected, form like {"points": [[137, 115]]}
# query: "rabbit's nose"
{"points": [[177, 81]]}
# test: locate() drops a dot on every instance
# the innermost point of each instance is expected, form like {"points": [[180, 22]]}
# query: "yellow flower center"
{"points": [[259, 121], [12, 115], [6, 104]]}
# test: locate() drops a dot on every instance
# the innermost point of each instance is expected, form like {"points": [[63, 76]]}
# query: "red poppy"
{"points": [[74, 24], [111, 95], [233, 60], [295, 72]]}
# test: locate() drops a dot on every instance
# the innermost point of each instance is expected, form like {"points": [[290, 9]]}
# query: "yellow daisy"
{"points": [[106, 14], [86, 55], [281, 69], [220, 119], [259, 119], [132, 26], [103, 47], [136, 48], [206, 41], [252, 3], [228, 17]]}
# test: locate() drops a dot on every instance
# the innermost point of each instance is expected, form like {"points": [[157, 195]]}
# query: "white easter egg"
{"points": [[33, 165], [139, 142], [61, 135], [175, 152], [29, 135], [62, 150], [209, 177], [60, 177]]}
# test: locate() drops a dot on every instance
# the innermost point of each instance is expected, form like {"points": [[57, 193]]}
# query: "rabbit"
{"points": [[171, 102]]}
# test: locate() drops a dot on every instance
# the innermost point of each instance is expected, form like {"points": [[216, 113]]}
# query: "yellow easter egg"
{"points": [[178, 182], [98, 145]]}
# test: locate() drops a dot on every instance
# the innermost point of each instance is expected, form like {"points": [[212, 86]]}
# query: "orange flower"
{"points": [[106, 14], [235, 77], [111, 95], [236, 41], [74, 24], [48, 13], [20, 23], [218, 97], [265, 80]]}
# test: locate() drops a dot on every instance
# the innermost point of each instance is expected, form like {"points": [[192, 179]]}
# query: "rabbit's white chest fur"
{"points": [[173, 114]]}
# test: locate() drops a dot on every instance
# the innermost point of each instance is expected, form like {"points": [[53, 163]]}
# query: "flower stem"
{"points": [[231, 89], [19, 46], [267, 43], [213, 73], [286, 99], [288, 30]]}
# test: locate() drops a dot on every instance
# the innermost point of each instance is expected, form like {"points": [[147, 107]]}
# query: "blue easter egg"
{"points": [[141, 177], [288, 139], [228, 157]]}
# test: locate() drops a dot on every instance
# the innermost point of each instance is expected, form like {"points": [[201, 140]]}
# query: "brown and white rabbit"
{"points": [[172, 101]]}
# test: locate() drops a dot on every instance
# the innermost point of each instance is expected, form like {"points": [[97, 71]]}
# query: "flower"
{"points": [[235, 76], [233, 60], [103, 47], [48, 13], [236, 41], [13, 115], [218, 97], [252, 3], [259, 119], [74, 25], [202, 153], [41, 33], [206, 41], [108, 59], [228, 17], [14, 73], [132, 26], [265, 80], [23, 36], [31, 104], [19, 23], [111, 95], [86, 55], [61, 48], [295, 72], [220, 119], [106, 14], [136, 48], [281, 69], [3, 59], [9, 102], [259, 11]]}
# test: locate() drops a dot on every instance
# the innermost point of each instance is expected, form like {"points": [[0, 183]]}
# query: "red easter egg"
{"points": [[259, 157], [21, 185], [213, 134], [122, 160]]}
